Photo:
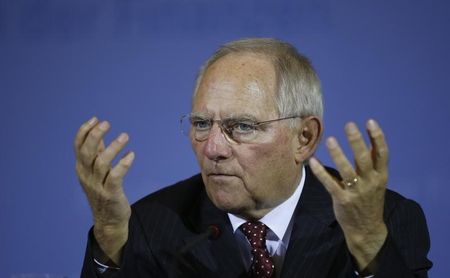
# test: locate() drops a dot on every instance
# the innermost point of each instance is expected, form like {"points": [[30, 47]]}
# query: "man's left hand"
{"points": [[358, 199]]}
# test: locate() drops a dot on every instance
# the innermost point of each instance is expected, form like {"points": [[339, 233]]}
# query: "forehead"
{"points": [[238, 84]]}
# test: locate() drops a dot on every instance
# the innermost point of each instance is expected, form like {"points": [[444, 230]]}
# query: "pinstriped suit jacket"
{"points": [[165, 221]]}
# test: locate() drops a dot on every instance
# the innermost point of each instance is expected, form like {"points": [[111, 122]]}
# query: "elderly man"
{"points": [[262, 205]]}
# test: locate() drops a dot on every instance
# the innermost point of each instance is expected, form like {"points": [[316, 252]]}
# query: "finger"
{"points": [[89, 149], [380, 151], [361, 153], [103, 161], [115, 177], [344, 167], [328, 181], [101, 146], [83, 131]]}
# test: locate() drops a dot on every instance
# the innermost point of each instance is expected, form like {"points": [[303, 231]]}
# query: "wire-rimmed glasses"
{"points": [[239, 130]]}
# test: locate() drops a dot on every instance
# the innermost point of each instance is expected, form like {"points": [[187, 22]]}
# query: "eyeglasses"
{"points": [[237, 130]]}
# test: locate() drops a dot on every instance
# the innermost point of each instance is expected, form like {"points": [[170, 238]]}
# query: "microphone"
{"points": [[213, 231]]}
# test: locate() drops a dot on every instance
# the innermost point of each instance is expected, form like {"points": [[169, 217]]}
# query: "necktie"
{"points": [[262, 264]]}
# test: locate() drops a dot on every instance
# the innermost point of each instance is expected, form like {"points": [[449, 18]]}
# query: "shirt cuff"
{"points": [[368, 276], [102, 268]]}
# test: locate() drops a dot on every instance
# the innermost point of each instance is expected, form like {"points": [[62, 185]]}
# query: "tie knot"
{"points": [[255, 232]]}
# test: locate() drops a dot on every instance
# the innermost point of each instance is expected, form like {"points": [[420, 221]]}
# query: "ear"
{"points": [[308, 138]]}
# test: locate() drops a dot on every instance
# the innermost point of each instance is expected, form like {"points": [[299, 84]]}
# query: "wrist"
{"points": [[364, 246], [110, 240]]}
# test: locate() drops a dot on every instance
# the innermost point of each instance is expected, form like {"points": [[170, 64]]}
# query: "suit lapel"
{"points": [[220, 256], [315, 233]]}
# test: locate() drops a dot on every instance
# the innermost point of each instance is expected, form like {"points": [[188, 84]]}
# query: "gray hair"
{"points": [[298, 86]]}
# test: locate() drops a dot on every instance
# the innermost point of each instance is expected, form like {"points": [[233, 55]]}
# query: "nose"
{"points": [[217, 146]]}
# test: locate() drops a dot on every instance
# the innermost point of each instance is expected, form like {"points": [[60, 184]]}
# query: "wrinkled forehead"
{"points": [[238, 83]]}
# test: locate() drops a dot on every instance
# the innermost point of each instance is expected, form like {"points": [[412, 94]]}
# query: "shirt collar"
{"points": [[278, 218]]}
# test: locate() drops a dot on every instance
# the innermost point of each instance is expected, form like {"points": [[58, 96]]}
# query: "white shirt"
{"points": [[279, 221]]}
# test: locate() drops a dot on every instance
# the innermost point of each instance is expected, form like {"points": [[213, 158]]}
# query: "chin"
{"points": [[226, 202]]}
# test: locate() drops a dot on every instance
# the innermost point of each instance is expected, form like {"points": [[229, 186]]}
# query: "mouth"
{"points": [[217, 176], [220, 175]]}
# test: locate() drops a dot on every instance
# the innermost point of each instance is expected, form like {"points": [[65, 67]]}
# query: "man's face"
{"points": [[247, 179]]}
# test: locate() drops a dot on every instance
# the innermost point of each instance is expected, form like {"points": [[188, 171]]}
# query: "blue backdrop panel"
{"points": [[134, 63]]}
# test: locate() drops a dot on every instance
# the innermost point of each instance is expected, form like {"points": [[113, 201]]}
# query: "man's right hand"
{"points": [[102, 184]]}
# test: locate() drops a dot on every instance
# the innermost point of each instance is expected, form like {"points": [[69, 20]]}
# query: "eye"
{"points": [[243, 127], [201, 124]]}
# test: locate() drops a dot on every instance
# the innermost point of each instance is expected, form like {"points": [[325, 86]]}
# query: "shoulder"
{"points": [[396, 203], [404, 215]]}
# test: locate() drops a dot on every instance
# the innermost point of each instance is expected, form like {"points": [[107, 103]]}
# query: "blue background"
{"points": [[134, 63]]}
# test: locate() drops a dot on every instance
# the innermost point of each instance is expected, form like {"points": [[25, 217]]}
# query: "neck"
{"points": [[259, 211]]}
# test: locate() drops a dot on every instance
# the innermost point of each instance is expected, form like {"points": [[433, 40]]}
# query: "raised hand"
{"points": [[102, 183], [358, 199]]}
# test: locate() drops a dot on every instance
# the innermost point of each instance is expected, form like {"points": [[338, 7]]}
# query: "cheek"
{"points": [[267, 155], [263, 166], [267, 164]]}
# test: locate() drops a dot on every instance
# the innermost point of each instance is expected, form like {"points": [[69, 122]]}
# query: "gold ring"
{"points": [[351, 182]]}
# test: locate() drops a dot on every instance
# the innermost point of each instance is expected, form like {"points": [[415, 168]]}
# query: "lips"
{"points": [[220, 174], [218, 171]]}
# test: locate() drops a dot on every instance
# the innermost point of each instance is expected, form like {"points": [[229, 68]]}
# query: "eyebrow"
{"points": [[199, 115], [244, 116]]}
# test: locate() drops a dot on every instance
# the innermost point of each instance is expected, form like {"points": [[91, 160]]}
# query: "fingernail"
{"points": [[104, 125], [351, 128], [123, 137], [331, 142], [92, 120], [372, 124], [129, 158]]}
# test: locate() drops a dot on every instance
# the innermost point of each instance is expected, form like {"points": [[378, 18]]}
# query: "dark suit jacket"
{"points": [[165, 221]]}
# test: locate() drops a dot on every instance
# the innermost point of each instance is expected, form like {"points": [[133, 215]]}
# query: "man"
{"points": [[269, 208]]}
